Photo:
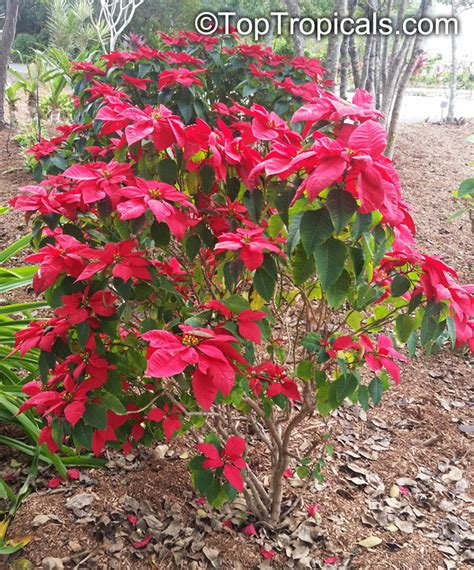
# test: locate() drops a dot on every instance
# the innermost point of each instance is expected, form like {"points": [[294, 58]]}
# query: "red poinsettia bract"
{"points": [[230, 458]]}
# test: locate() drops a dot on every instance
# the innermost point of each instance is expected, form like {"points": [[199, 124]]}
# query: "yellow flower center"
{"points": [[247, 239], [156, 115], [117, 257], [155, 193], [190, 340]]}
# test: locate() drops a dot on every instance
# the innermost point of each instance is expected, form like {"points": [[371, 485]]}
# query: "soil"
{"points": [[399, 473]]}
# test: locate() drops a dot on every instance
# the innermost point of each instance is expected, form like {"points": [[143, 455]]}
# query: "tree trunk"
{"points": [[424, 11], [344, 66], [395, 72], [351, 47], [294, 10], [8, 35], [366, 65], [354, 55], [453, 79], [334, 46], [385, 43]]}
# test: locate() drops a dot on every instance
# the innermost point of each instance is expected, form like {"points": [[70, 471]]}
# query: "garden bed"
{"points": [[416, 441]]}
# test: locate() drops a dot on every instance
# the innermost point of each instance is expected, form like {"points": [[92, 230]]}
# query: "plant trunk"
{"points": [[8, 35], [453, 79], [366, 65], [354, 55], [424, 11], [12, 116], [334, 47], [344, 73], [395, 72], [294, 10]]}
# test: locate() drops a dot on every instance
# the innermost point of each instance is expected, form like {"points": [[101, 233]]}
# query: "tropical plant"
{"points": [[227, 254], [70, 26], [12, 98], [465, 192], [30, 83]]}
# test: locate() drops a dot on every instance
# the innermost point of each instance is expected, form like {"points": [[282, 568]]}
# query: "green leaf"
{"points": [[376, 390], [366, 294], [160, 233], [429, 323], [254, 202], [207, 177], [111, 402], [283, 200], [315, 228], [168, 171], [14, 248], [304, 369], [21, 307], [312, 342], [341, 388], [95, 416], [341, 206], [207, 484], [363, 396], [361, 225], [466, 188], [303, 266], [330, 257], [337, 294], [357, 258], [82, 435], [451, 330], [404, 326], [83, 333], [192, 246], [400, 285], [265, 278], [294, 235]]}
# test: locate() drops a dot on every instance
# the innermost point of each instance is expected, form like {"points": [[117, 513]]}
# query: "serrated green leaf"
{"points": [[400, 285], [376, 390], [330, 257], [337, 294], [265, 278], [341, 206], [315, 228]]}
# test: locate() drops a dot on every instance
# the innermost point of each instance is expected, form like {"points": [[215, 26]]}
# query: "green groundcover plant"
{"points": [[227, 253]]}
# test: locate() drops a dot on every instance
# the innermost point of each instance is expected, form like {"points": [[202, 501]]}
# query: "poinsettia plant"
{"points": [[226, 253]]}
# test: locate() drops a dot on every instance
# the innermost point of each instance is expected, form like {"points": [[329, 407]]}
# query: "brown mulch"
{"points": [[400, 473]]}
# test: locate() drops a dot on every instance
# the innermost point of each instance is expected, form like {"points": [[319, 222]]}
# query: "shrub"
{"points": [[24, 45], [227, 253]]}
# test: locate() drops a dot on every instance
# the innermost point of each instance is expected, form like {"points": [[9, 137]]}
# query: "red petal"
{"points": [[234, 476], [171, 424], [205, 391], [268, 554], [155, 415], [208, 450], [142, 543], [249, 530], [73, 474], [54, 482], [74, 411], [235, 446]]}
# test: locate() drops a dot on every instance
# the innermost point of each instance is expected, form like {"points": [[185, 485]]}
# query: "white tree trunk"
{"points": [[334, 46], [453, 79], [8, 35], [294, 10]]}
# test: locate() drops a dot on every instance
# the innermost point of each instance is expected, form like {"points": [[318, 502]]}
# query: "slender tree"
{"points": [[457, 6], [294, 9], [335, 43], [8, 35]]}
